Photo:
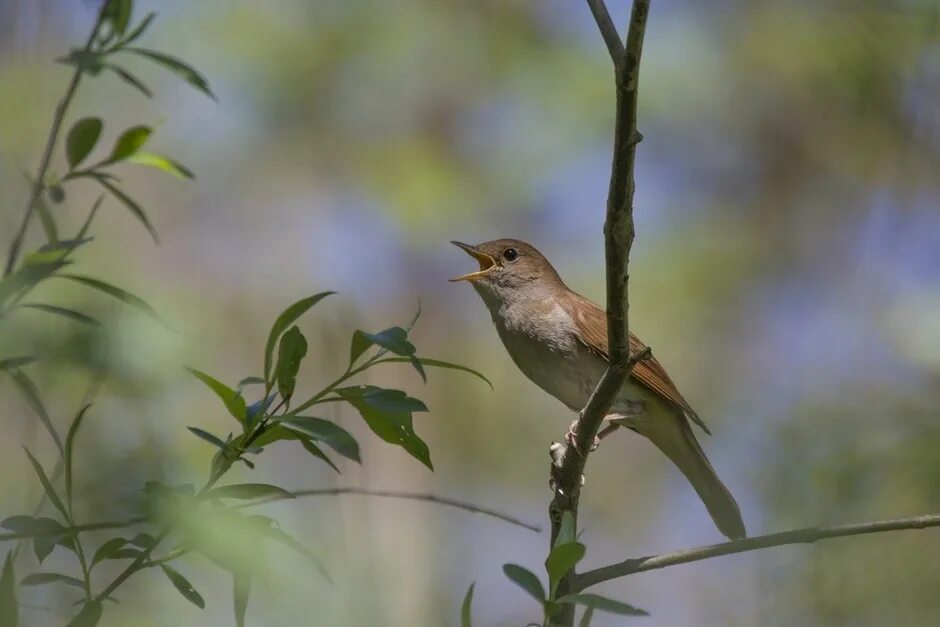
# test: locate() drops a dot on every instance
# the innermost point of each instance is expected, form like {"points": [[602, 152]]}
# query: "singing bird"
{"points": [[558, 339]]}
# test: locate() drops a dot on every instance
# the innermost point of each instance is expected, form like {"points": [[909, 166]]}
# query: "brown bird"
{"points": [[558, 339]]}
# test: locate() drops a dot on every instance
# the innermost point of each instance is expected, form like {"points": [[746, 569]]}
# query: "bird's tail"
{"points": [[674, 437]]}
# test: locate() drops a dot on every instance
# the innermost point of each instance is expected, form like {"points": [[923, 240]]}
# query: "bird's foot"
{"points": [[571, 439]]}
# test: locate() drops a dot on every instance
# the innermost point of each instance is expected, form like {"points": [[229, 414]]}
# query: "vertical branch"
{"points": [[569, 461], [40, 178]]}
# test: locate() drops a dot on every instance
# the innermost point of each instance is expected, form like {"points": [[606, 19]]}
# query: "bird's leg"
{"points": [[572, 436]]}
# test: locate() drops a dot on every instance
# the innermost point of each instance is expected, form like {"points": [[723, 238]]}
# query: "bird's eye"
{"points": [[510, 254]]}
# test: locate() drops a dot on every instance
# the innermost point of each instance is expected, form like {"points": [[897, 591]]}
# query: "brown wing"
{"points": [[591, 323]]}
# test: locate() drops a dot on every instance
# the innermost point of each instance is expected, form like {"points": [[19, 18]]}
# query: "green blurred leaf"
{"points": [[81, 140], [249, 491], [383, 399], [144, 541], [132, 206], [208, 437], [46, 219], [560, 560], [56, 193], [28, 275], [291, 351], [416, 364], [437, 363], [47, 485], [249, 381], [161, 163], [69, 452], [234, 402], [177, 67], [466, 619], [360, 343], [183, 586], [130, 141], [125, 297], [287, 318], [566, 530], [258, 408], [327, 432], [139, 29], [108, 549], [9, 607], [241, 588], [526, 580], [71, 314], [279, 535], [394, 339], [118, 15], [15, 362], [129, 78], [602, 603], [85, 60], [315, 450], [31, 393], [89, 615], [39, 579]]}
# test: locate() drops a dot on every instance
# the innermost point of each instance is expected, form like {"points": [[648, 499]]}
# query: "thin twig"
{"points": [[608, 30], [44, 161], [568, 464], [796, 536]]}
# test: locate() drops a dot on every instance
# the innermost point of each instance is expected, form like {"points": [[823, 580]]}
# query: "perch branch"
{"points": [[608, 30]]}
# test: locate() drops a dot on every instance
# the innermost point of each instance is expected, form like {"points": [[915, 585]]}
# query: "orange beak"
{"points": [[486, 262]]}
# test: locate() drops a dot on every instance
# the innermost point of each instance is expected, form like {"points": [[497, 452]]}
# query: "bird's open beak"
{"points": [[486, 262]]}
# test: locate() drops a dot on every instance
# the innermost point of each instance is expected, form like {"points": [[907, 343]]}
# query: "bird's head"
{"points": [[509, 269]]}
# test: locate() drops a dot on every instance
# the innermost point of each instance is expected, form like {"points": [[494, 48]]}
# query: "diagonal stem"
{"points": [[608, 30]]}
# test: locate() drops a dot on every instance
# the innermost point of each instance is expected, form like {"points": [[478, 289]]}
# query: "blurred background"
{"points": [[786, 271]]}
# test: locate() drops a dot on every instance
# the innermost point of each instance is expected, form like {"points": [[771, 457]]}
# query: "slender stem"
{"points": [[607, 28], [797, 536], [58, 118]]}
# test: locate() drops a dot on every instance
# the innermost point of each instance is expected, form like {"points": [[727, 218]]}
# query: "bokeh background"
{"points": [[786, 271]]}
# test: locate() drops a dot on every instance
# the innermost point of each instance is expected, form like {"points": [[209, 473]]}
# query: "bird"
{"points": [[558, 339]]}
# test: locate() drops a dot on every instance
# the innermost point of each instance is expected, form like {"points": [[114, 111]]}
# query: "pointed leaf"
{"points": [[131, 205], [416, 364], [567, 528], [602, 603], [360, 343], [45, 216], [526, 580], [291, 351], [130, 141], [139, 29], [118, 15], [183, 586], [108, 549], [89, 615], [161, 163], [129, 78], [177, 67], [287, 318], [81, 140], [11, 363], [125, 297], [8, 603], [47, 485], [466, 619], [417, 447], [394, 339], [69, 452], [234, 402], [208, 437], [326, 432], [248, 491], [71, 314], [31, 393], [39, 579], [314, 450], [241, 588], [437, 363], [281, 536], [561, 559]]}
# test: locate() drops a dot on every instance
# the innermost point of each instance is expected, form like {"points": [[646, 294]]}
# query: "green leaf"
{"points": [[394, 339], [382, 399], [183, 586], [125, 297], [466, 619], [258, 408], [249, 381], [281, 536], [46, 219], [208, 437], [602, 603], [108, 549], [28, 275], [360, 343], [437, 363], [249, 491], [287, 318], [69, 452], [144, 541], [561, 559], [327, 432], [81, 140], [47, 485], [234, 402], [31, 393], [416, 364], [161, 163], [89, 615], [291, 351], [71, 314], [132, 206], [9, 607], [139, 29], [418, 448], [130, 141], [314, 450], [275, 433], [85, 60], [177, 67], [388, 414], [526, 580], [11, 363], [566, 530], [39, 579], [118, 15], [129, 78], [241, 588]]}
